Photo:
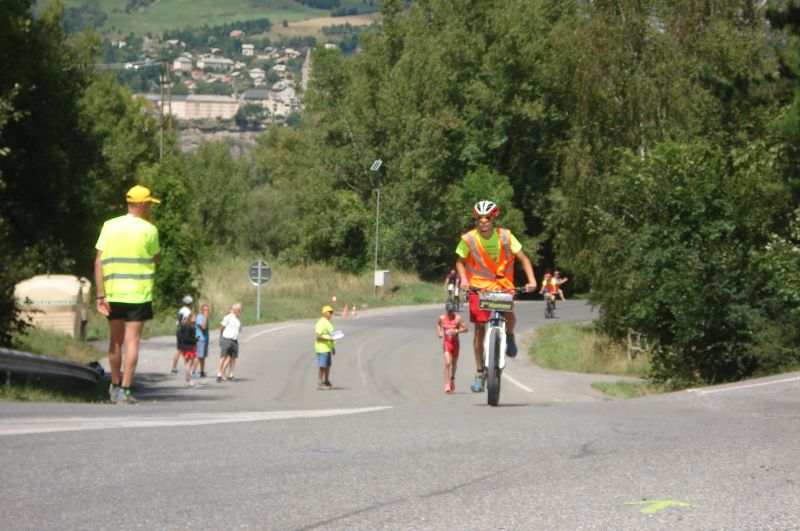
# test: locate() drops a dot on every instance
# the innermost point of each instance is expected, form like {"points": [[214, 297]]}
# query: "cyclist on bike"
{"points": [[549, 285], [485, 261], [449, 326], [450, 285]]}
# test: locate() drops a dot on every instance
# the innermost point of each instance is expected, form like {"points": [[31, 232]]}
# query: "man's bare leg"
{"points": [[133, 333], [117, 329]]}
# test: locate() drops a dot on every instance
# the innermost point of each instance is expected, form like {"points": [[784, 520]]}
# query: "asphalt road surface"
{"points": [[388, 449]]}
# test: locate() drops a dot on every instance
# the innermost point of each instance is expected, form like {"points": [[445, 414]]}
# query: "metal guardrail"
{"points": [[26, 363]]}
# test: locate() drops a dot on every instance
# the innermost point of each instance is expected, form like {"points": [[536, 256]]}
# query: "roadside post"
{"points": [[259, 273]]}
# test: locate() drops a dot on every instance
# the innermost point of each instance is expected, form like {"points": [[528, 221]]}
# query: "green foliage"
{"points": [[44, 152], [179, 270], [673, 236], [250, 116], [88, 15]]}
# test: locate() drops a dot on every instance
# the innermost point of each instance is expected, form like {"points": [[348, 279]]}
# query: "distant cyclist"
{"points": [[549, 285], [485, 261], [449, 326], [450, 285]]}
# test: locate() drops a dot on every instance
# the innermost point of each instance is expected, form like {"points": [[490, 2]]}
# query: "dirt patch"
{"points": [[317, 24]]}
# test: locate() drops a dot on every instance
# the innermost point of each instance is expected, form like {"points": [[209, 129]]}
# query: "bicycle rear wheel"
{"points": [[493, 371], [548, 310]]}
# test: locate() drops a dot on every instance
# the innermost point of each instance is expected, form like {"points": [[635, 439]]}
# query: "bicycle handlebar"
{"points": [[516, 289]]}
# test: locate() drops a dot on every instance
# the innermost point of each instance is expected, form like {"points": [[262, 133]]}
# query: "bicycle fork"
{"points": [[500, 326]]}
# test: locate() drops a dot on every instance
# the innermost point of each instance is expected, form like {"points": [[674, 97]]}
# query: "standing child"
{"points": [[323, 346], [187, 343], [201, 331], [449, 326]]}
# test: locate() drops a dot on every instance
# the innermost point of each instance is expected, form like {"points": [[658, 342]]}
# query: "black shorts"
{"points": [[142, 311]]}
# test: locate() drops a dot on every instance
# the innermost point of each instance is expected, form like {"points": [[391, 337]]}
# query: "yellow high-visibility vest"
{"points": [[129, 245]]}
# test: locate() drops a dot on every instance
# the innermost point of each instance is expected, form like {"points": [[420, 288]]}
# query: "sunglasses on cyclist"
{"points": [[485, 219]]}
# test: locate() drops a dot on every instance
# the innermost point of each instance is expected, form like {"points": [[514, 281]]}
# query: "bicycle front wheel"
{"points": [[493, 371]]}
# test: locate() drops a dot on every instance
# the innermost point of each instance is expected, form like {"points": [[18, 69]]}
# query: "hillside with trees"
{"points": [[649, 149]]}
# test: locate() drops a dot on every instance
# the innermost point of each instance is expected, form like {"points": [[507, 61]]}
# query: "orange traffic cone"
{"points": [[354, 310], [344, 313]]}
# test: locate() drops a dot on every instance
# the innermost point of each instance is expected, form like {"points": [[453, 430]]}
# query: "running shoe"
{"points": [[113, 393], [174, 371], [321, 386], [219, 379], [126, 397], [477, 387], [511, 346], [190, 383], [202, 374], [230, 378], [328, 384]]}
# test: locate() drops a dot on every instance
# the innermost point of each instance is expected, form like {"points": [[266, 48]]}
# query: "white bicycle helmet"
{"points": [[187, 300], [486, 208]]}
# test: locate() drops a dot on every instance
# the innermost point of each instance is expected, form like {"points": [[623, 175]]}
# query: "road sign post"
{"points": [[259, 274]]}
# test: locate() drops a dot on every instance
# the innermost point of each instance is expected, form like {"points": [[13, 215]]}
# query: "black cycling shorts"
{"points": [[131, 312]]}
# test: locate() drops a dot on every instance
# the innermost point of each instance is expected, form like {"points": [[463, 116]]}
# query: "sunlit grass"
{"points": [[580, 348]]}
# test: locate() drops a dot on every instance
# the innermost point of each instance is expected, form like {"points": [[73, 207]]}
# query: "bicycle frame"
{"points": [[498, 322], [495, 339]]}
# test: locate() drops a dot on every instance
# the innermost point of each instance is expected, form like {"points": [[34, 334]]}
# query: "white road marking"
{"points": [[269, 331], [517, 383], [740, 387], [22, 426]]}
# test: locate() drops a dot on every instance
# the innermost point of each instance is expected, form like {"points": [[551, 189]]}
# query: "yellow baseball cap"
{"points": [[327, 308], [140, 194]]}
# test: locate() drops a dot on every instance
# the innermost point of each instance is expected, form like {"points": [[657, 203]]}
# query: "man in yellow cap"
{"points": [[324, 347], [124, 270]]}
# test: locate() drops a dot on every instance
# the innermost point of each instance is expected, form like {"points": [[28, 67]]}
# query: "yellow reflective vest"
{"points": [[129, 245]]}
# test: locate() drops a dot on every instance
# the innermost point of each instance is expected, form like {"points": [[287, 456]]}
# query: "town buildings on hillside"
{"points": [[256, 85]]}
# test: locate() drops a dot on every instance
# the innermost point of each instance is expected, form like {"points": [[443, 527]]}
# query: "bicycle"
{"points": [[550, 305], [454, 295], [494, 342]]}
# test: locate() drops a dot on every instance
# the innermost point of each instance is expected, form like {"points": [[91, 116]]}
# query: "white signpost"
{"points": [[259, 273]]}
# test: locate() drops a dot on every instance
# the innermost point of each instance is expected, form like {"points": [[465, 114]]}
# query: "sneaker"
{"points": [[219, 379], [113, 393], [477, 387], [321, 386], [174, 371], [202, 374], [190, 383], [126, 397], [328, 384], [230, 378], [511, 346]]}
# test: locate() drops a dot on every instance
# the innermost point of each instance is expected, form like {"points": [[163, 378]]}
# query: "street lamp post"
{"points": [[375, 167]]}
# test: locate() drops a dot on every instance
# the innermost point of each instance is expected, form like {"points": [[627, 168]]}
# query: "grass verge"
{"points": [[34, 388], [579, 347]]}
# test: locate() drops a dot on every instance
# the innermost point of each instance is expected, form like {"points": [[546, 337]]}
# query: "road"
{"points": [[388, 449]]}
